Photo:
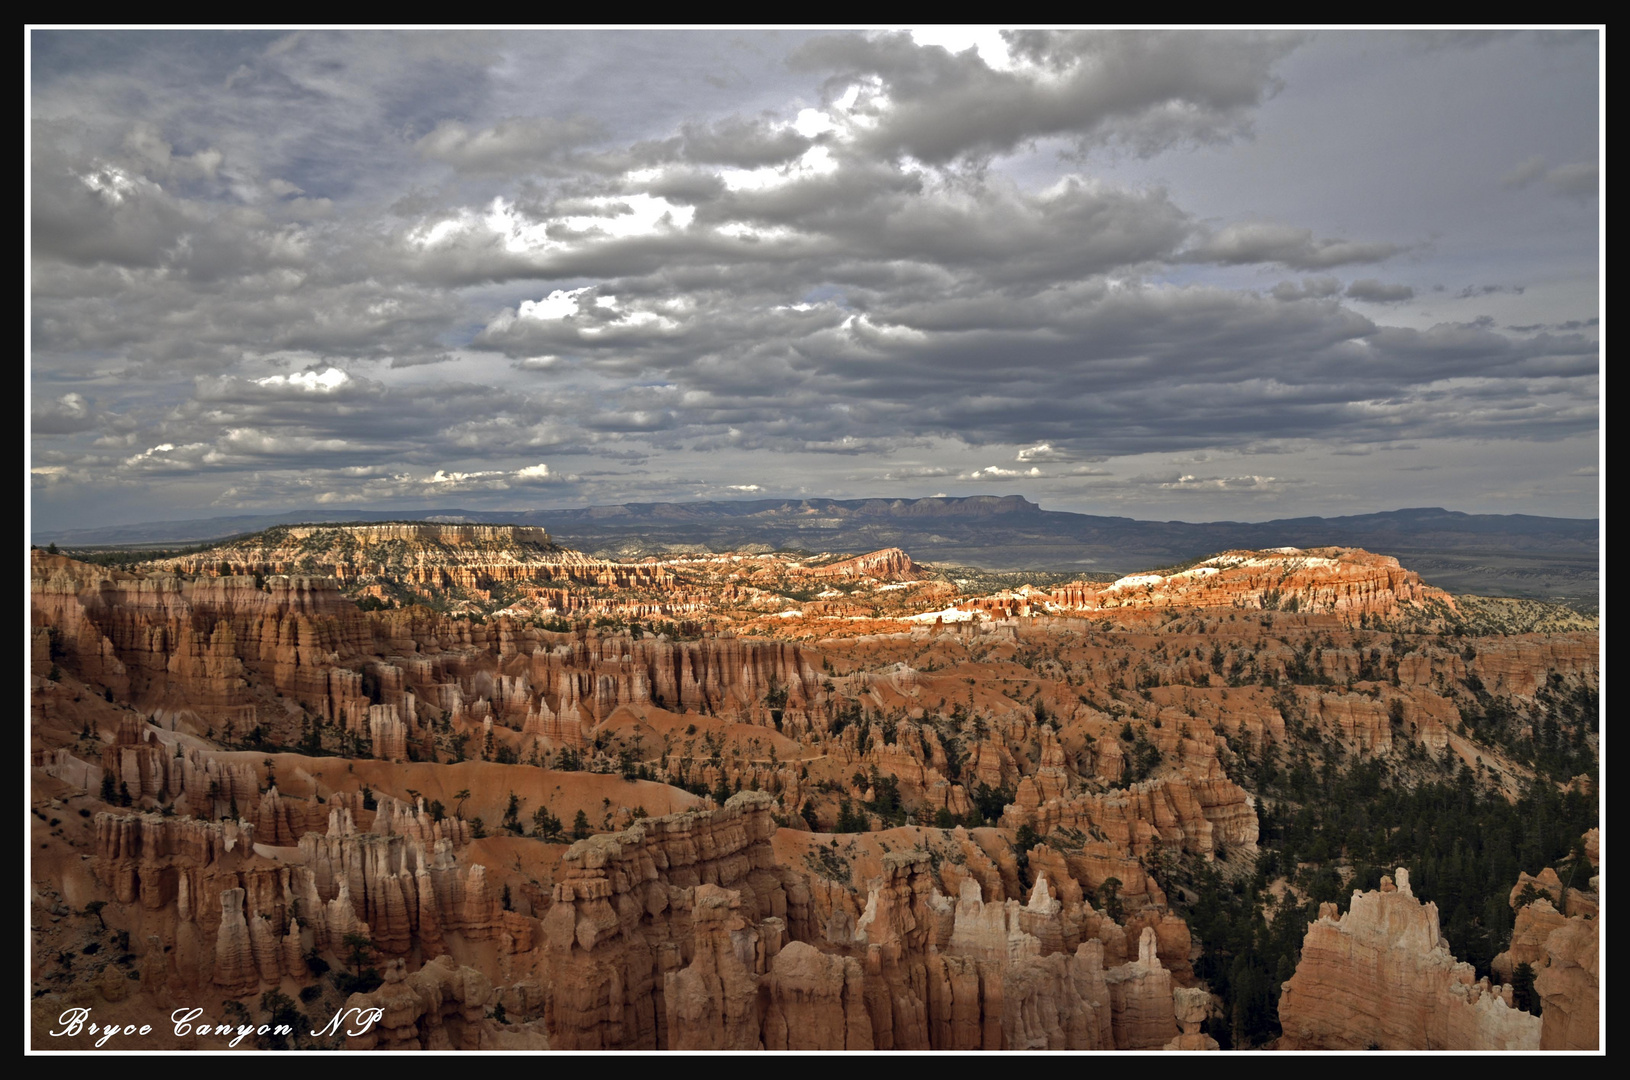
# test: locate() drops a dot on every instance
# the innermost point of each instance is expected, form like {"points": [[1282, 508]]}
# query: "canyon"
{"points": [[507, 795]]}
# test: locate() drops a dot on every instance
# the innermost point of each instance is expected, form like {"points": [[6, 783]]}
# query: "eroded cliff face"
{"points": [[520, 570], [1570, 987], [1562, 949], [423, 560], [888, 564], [1381, 976], [260, 776], [441, 1006], [684, 932], [172, 643], [241, 914], [1328, 580]]}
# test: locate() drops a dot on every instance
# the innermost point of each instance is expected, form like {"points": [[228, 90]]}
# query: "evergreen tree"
{"points": [[1522, 988]]}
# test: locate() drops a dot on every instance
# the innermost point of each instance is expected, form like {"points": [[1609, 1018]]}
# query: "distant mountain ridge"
{"points": [[1493, 554]]}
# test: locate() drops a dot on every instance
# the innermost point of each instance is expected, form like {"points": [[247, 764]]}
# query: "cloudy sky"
{"points": [[1182, 275]]}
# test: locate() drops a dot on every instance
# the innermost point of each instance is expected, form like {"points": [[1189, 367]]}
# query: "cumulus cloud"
{"points": [[313, 382], [1143, 89], [167, 456], [444, 482], [1043, 452], [396, 266], [997, 472]]}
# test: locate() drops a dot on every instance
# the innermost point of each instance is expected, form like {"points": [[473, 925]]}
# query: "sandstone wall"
{"points": [[1382, 976]]}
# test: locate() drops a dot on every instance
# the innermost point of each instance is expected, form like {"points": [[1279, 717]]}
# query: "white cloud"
{"points": [[442, 477], [114, 184], [813, 122], [988, 41], [150, 455], [628, 215], [315, 382], [1246, 484], [1043, 452], [557, 305], [996, 472]]}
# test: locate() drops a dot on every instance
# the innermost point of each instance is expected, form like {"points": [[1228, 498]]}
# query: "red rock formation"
{"points": [[816, 1002], [887, 564], [690, 930], [712, 1002], [1569, 987], [638, 959], [1534, 925], [191, 644], [624, 908], [1192, 815], [401, 885], [425, 558], [442, 1006], [1381, 975], [235, 971], [1191, 1006], [1342, 580], [1141, 997]]}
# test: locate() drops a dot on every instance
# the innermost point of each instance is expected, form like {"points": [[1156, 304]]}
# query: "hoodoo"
{"points": [[493, 793]]}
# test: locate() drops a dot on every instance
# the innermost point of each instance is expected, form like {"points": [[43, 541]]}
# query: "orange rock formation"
{"points": [[1381, 976]]}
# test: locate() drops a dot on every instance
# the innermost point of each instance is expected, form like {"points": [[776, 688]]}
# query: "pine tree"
{"points": [[1522, 989]]}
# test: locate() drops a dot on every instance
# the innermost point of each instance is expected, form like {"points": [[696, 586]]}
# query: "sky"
{"points": [[1158, 274]]}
